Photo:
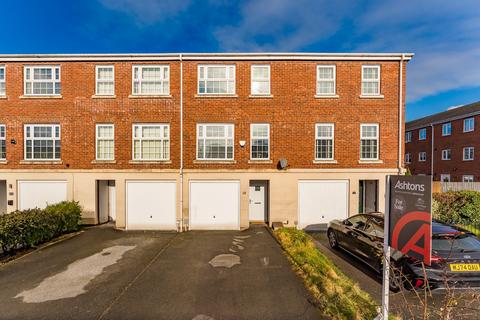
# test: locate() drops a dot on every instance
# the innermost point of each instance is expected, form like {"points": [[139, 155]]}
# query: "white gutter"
{"points": [[181, 145], [433, 143], [400, 114]]}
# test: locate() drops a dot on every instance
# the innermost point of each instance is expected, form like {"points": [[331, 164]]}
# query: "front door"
{"points": [[257, 201]]}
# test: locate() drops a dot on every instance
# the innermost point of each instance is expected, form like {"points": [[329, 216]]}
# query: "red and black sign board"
{"points": [[410, 217]]}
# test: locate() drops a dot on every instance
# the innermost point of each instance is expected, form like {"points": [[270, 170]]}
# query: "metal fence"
{"points": [[455, 186]]}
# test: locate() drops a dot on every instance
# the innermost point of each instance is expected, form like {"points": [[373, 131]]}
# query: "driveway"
{"points": [[371, 282], [108, 274]]}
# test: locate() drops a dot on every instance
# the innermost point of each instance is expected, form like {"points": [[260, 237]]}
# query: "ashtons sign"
{"points": [[410, 219]]}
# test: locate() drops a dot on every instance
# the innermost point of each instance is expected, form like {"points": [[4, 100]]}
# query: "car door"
{"points": [[352, 231], [371, 242]]}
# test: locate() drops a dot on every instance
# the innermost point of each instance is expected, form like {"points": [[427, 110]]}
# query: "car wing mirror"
{"points": [[347, 223]]}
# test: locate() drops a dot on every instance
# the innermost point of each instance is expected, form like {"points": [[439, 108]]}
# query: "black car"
{"points": [[455, 253]]}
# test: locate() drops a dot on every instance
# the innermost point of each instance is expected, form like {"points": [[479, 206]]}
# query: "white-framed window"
{"points": [[468, 124], [468, 153], [324, 141], [326, 80], [2, 81], [408, 136], [3, 142], [42, 141], [151, 142], [422, 156], [445, 177], [42, 80], [422, 134], [151, 80], [259, 141], [216, 79], [408, 158], [105, 141], [260, 80], [370, 80], [369, 141], [468, 178], [215, 141], [446, 154], [105, 80], [447, 129]]}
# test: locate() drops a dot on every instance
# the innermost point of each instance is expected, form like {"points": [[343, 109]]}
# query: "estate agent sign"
{"points": [[410, 218]]}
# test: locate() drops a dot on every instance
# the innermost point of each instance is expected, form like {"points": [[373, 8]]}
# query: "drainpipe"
{"points": [[431, 157], [181, 145], [400, 116]]}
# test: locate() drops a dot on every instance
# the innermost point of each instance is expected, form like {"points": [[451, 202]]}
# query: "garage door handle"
{"points": [[258, 203]]}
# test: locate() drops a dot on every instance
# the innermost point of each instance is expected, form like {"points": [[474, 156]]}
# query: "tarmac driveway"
{"points": [[108, 274]]}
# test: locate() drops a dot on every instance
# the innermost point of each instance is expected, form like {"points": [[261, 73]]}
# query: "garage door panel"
{"points": [[215, 205], [32, 194], [321, 201], [151, 205]]}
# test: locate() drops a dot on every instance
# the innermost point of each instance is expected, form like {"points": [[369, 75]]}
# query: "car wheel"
{"points": [[332, 239], [398, 277]]}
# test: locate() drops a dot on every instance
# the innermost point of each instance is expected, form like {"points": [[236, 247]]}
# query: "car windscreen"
{"points": [[455, 242]]}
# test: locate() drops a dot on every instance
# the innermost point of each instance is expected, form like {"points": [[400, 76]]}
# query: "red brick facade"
{"points": [[292, 113]]}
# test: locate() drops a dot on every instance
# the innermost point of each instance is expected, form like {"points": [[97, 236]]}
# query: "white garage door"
{"points": [[39, 194], [215, 205], [320, 201], [151, 204]]}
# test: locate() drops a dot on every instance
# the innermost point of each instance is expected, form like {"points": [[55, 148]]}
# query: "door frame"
{"points": [[266, 209]]}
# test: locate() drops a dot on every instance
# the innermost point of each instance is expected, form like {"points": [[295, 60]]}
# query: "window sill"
{"points": [[41, 162], [260, 161], [3, 97], [149, 161], [95, 96], [467, 159], [103, 161], [149, 96], [41, 97], [331, 96], [260, 96], [370, 161], [325, 161], [214, 161], [378, 96], [3, 161], [216, 95]]}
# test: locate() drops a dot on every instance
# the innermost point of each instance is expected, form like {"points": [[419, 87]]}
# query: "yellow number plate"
{"points": [[465, 267]]}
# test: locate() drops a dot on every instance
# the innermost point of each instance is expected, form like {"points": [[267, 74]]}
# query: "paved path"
{"points": [[108, 274]]}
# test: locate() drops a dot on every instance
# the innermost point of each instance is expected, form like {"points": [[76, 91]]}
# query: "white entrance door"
{"points": [[214, 205], [151, 204], [32, 194], [256, 207], [320, 201]]}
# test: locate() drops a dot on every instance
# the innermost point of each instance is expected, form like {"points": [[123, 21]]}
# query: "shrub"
{"points": [[28, 228], [457, 207], [338, 296]]}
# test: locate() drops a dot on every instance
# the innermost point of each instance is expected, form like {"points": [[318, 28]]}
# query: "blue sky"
{"points": [[444, 35]]}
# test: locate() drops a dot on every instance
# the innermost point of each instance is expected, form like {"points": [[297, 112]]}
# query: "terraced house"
{"points": [[201, 141]]}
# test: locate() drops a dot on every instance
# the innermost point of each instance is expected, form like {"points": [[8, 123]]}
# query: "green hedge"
{"points": [[28, 228], [457, 207]]}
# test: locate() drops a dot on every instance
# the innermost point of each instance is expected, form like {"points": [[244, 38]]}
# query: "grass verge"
{"points": [[337, 295]]}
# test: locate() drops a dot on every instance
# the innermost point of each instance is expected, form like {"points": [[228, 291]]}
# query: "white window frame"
{"points": [[447, 129], [422, 156], [443, 176], [468, 177], [377, 138], [467, 120], [446, 152], [332, 138], [141, 139], [473, 153], [408, 136], [379, 93], [30, 69], [262, 138], [3, 138], [97, 80], [162, 80], [420, 134], [226, 137], [408, 158], [3, 81], [334, 79], [53, 138], [252, 79], [205, 79], [98, 138]]}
